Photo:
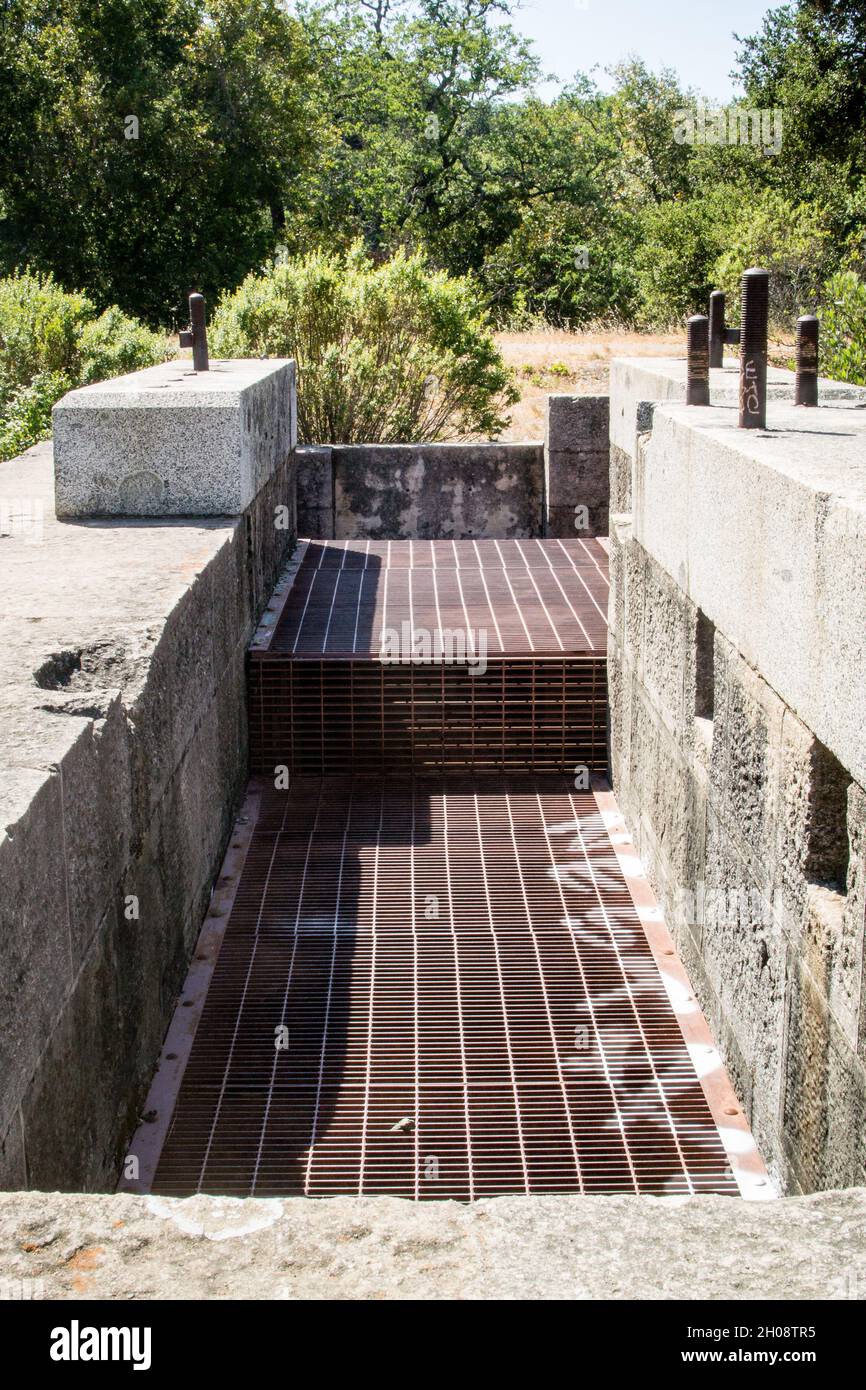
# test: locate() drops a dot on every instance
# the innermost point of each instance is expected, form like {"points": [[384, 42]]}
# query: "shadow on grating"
{"points": [[468, 1001]]}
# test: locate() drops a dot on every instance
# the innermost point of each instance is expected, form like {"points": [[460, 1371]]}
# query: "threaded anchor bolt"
{"points": [[717, 328], [754, 315], [698, 360], [806, 384]]}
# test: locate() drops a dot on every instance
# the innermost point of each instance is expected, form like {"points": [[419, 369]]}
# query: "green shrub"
{"points": [[788, 240], [25, 417], [385, 353], [52, 340], [561, 267], [115, 344], [680, 243], [40, 329], [843, 329]]}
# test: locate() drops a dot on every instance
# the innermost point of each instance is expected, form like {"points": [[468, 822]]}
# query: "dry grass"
{"points": [[545, 361]]}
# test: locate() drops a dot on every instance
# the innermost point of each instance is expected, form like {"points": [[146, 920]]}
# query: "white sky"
{"points": [[695, 37]]}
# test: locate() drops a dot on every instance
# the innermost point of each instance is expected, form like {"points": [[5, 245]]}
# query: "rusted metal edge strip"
{"points": [[735, 1132], [270, 619], [374, 658], [147, 1143]]}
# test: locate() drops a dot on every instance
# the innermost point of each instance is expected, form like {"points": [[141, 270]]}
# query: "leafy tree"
{"points": [[791, 241], [214, 96], [810, 60], [681, 241]]}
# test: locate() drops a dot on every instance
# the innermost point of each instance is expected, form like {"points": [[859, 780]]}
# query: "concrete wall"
{"points": [[738, 702], [636, 383], [462, 491], [576, 475], [122, 697], [449, 491]]}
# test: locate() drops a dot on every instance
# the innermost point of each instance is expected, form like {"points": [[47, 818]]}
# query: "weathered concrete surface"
{"points": [[124, 1247], [315, 491], [452, 491], [766, 533], [123, 750], [637, 379], [169, 441], [576, 466], [412, 491], [738, 702]]}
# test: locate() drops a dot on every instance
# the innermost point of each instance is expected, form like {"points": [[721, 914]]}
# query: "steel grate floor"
{"points": [[527, 596], [463, 963]]}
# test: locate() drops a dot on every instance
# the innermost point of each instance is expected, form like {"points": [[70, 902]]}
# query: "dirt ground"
{"points": [[577, 363]]}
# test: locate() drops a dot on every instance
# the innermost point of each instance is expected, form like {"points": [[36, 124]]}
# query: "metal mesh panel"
{"points": [[530, 692], [471, 1006]]}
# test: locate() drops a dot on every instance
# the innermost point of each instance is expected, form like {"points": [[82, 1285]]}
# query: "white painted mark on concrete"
{"points": [[226, 1219]]}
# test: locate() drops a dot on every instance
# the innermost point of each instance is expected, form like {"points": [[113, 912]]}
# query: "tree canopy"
{"points": [[155, 146]]}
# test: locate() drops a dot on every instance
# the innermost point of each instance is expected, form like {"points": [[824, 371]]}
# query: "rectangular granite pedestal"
{"points": [[170, 441]]}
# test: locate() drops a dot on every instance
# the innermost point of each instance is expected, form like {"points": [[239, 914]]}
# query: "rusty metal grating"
{"points": [[463, 962], [527, 596], [322, 717], [529, 694]]}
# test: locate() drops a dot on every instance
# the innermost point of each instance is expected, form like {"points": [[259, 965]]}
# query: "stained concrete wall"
{"points": [[576, 475], [122, 696], [738, 701], [402, 491], [463, 491]]}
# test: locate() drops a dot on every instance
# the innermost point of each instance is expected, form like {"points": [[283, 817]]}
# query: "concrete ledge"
{"points": [[637, 379], [169, 441], [125, 1247], [765, 531]]}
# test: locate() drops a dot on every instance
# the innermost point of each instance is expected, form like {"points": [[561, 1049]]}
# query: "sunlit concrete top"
{"points": [[637, 379], [170, 441]]}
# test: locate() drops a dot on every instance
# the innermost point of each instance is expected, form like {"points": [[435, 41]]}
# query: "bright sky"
{"points": [[696, 37]]}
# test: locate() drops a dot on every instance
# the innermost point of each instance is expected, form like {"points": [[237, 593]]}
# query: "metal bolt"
{"points": [[698, 360], [196, 335], [717, 328], [806, 386], [754, 314]]}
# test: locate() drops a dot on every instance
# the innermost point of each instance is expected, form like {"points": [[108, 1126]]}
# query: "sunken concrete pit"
{"points": [[736, 758]]}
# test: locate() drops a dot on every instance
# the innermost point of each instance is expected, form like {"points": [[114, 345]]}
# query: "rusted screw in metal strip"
{"points": [[717, 328], [754, 314], [806, 385], [698, 360]]}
